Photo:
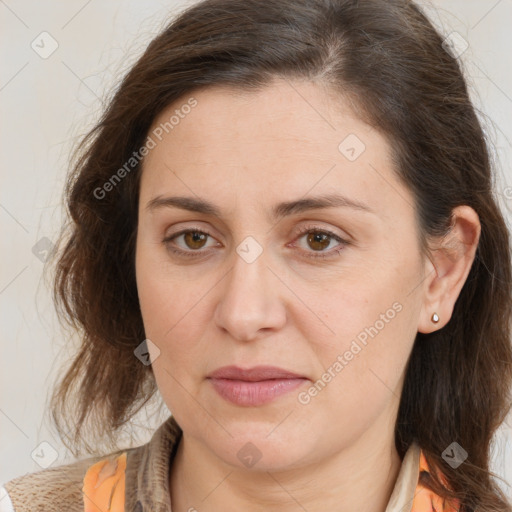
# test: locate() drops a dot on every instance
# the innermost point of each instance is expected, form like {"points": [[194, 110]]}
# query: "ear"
{"points": [[447, 268]]}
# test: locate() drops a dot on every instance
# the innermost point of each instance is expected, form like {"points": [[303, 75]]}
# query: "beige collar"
{"points": [[405, 487]]}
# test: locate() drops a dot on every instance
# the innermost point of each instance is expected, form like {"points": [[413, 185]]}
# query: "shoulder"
{"points": [[58, 488], [113, 482]]}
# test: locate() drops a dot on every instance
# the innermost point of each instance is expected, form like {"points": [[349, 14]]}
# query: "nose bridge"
{"points": [[250, 265], [249, 302]]}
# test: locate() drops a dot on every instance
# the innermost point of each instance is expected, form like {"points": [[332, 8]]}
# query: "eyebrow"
{"points": [[278, 211]]}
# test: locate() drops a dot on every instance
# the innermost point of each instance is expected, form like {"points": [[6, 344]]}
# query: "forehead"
{"points": [[277, 143]]}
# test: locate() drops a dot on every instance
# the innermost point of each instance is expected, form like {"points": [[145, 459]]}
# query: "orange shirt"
{"points": [[104, 489], [426, 500]]}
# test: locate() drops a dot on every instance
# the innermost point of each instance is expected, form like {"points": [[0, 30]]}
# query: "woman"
{"points": [[285, 224]]}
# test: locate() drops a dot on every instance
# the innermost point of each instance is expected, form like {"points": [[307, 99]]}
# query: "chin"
{"points": [[260, 446]]}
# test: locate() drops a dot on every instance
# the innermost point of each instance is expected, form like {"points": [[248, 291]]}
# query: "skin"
{"points": [[246, 152]]}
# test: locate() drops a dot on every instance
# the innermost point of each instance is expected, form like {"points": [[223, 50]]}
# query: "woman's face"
{"points": [[271, 273]]}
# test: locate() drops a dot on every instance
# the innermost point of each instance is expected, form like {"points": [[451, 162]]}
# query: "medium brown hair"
{"points": [[389, 59]]}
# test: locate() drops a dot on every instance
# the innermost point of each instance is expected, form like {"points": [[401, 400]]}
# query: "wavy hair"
{"points": [[386, 56]]}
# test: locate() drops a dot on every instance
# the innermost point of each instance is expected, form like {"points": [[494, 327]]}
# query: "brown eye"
{"points": [[315, 242], [195, 239], [318, 240], [189, 243]]}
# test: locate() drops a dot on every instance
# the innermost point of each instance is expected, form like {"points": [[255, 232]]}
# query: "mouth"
{"points": [[254, 386]]}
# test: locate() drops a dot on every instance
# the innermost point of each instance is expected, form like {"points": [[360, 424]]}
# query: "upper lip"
{"points": [[257, 373]]}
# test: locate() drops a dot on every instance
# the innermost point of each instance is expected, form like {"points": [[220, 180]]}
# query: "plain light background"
{"points": [[48, 101]]}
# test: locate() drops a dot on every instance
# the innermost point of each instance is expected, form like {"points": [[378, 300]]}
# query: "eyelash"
{"points": [[322, 254], [304, 230]]}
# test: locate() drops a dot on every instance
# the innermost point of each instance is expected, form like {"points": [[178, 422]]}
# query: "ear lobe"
{"points": [[450, 261]]}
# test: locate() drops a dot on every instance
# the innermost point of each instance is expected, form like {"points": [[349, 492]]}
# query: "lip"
{"points": [[257, 373], [253, 386]]}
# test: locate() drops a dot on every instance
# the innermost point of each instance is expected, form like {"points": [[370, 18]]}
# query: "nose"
{"points": [[250, 301]]}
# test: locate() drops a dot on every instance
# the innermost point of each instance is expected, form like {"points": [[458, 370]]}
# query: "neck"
{"points": [[361, 477]]}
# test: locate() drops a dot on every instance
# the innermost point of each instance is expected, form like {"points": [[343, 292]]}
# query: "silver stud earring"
{"points": [[435, 318]]}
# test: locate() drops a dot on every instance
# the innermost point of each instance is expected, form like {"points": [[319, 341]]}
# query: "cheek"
{"points": [[163, 298], [370, 330], [172, 323], [361, 377], [174, 316]]}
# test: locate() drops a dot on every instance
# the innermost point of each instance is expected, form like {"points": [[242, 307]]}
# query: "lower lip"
{"points": [[245, 393]]}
